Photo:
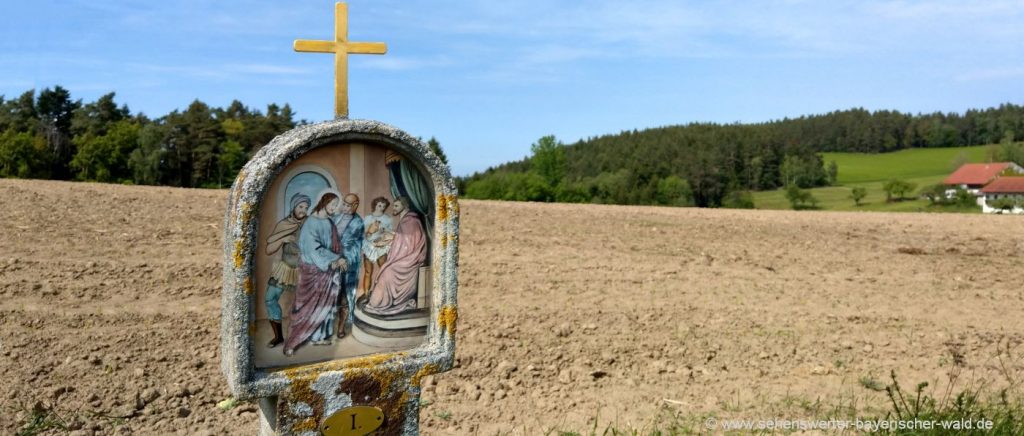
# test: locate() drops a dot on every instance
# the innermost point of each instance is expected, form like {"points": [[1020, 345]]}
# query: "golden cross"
{"points": [[341, 47]]}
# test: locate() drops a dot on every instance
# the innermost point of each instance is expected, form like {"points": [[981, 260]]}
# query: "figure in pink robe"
{"points": [[395, 282]]}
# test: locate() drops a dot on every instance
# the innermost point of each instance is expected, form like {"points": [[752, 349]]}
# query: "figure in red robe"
{"points": [[394, 288]]}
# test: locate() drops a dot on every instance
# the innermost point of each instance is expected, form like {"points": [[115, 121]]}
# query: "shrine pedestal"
{"points": [[368, 381]]}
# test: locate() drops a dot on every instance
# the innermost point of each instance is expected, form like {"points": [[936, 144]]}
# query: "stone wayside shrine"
{"points": [[340, 265]]}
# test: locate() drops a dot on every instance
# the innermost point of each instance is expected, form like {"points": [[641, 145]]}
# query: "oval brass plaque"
{"points": [[353, 421]]}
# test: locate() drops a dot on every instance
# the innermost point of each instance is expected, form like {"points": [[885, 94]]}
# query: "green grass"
{"points": [[39, 419], [1003, 409], [858, 168], [922, 166]]}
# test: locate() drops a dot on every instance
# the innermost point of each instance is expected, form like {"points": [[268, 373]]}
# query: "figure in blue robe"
{"points": [[350, 226]]}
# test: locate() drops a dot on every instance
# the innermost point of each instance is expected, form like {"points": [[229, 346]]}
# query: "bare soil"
{"points": [[109, 312]]}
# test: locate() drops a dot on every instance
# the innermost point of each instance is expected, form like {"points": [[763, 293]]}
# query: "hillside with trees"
{"points": [[713, 165], [52, 136], [49, 135]]}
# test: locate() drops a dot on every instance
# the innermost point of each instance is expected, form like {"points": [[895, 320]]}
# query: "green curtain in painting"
{"points": [[407, 181]]}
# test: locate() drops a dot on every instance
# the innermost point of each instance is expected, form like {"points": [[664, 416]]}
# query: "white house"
{"points": [[973, 176], [1006, 187]]}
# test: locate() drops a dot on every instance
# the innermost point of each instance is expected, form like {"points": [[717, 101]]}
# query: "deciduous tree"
{"points": [[857, 193], [105, 158]]}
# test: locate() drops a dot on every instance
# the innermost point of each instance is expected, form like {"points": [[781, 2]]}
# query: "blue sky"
{"points": [[488, 78]]}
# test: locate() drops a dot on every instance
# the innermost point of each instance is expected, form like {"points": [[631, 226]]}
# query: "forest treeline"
{"points": [[712, 165], [51, 136]]}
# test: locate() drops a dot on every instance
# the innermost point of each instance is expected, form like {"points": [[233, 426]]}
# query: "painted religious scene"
{"points": [[343, 263]]}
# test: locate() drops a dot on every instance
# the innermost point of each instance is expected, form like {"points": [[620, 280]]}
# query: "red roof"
{"points": [[976, 173], [1005, 185]]}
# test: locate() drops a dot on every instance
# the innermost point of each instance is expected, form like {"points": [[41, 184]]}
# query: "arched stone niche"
{"points": [[389, 342]]}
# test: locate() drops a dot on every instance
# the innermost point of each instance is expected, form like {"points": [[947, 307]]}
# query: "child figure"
{"points": [[380, 231]]}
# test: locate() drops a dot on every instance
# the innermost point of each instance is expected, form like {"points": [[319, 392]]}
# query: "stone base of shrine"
{"points": [[406, 329]]}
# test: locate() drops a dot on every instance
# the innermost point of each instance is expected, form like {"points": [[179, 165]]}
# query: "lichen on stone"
{"points": [[428, 369], [447, 206], [442, 207], [447, 317], [238, 254]]}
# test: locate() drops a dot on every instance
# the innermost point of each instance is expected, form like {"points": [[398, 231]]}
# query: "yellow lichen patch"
{"points": [[429, 369], [442, 207], [297, 373], [237, 255], [302, 392], [246, 215], [240, 246], [404, 398], [447, 207], [369, 371], [239, 180], [385, 377], [247, 285], [371, 361], [384, 388], [444, 242], [447, 317], [453, 202], [308, 424], [366, 362]]}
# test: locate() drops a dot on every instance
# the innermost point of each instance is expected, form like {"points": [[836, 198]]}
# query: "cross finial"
{"points": [[341, 47]]}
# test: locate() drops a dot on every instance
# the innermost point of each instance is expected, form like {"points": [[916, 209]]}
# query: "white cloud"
{"points": [[543, 40], [542, 36]]}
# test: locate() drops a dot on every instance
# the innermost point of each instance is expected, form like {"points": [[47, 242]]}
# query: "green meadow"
{"points": [[921, 166]]}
